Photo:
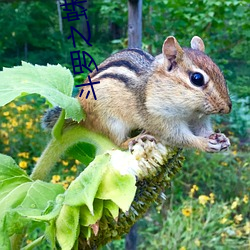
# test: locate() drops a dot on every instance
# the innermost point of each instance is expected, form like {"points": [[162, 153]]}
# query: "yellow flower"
{"points": [[223, 235], [238, 218], [77, 162], [211, 195], [73, 168], [187, 211], [65, 185], [182, 248], [238, 233], [223, 220], [65, 163], [193, 190], [4, 134], [23, 164], [70, 178], [234, 152], [197, 242], [29, 124], [6, 113], [24, 154], [247, 227], [203, 199], [55, 178], [35, 159], [224, 164], [12, 105], [14, 123], [235, 203], [245, 199]]}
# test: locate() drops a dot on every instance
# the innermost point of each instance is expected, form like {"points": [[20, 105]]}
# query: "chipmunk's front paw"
{"points": [[218, 142]]}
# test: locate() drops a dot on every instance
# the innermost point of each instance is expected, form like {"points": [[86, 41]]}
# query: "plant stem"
{"points": [[57, 147]]}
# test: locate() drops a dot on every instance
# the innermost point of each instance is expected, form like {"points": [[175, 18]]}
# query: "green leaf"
{"points": [[67, 226], [83, 189], [39, 194], [58, 127], [83, 152], [112, 208], [53, 82], [6, 186], [118, 188], [34, 243], [9, 168], [86, 218]]}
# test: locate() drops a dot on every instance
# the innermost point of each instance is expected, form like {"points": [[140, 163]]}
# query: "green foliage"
{"points": [[200, 223], [223, 25], [56, 87]]}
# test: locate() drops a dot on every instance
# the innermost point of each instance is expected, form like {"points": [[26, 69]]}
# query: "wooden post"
{"points": [[135, 23], [131, 238]]}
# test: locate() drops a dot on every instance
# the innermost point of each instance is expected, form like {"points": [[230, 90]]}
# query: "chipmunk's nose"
{"points": [[227, 108]]}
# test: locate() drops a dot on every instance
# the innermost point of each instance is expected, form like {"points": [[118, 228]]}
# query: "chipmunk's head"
{"points": [[198, 76]]}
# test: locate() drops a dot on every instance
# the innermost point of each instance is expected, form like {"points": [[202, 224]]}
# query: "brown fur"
{"points": [[137, 91]]}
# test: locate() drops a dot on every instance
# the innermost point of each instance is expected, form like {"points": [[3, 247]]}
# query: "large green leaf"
{"points": [[118, 188], [53, 82], [67, 226], [9, 168], [83, 152], [21, 197], [83, 189]]}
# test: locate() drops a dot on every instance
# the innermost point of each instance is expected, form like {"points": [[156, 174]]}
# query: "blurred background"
{"points": [[207, 206]]}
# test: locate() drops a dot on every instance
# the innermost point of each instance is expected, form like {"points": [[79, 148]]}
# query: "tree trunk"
{"points": [[59, 16], [134, 23], [131, 238]]}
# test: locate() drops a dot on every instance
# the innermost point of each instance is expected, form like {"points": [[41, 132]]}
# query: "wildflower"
{"points": [[77, 162], [186, 211], [24, 155], [6, 113], [29, 124], [23, 164], [73, 168], [234, 152], [65, 163], [245, 199], [224, 164], [223, 235], [193, 190], [55, 178], [223, 220], [183, 248], [203, 199], [238, 233], [197, 242], [238, 218], [247, 227], [211, 195], [65, 185], [235, 203], [35, 159], [70, 178], [4, 134]]}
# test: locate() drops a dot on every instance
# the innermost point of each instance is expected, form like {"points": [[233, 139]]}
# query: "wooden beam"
{"points": [[135, 23]]}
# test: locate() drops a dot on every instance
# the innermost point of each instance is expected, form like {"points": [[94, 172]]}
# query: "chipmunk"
{"points": [[170, 96]]}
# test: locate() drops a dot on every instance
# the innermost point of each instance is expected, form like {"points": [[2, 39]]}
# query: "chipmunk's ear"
{"points": [[197, 43], [172, 50]]}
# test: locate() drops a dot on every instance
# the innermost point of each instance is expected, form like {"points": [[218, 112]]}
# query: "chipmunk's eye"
{"points": [[197, 79]]}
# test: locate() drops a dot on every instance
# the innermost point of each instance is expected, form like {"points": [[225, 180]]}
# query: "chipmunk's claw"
{"points": [[218, 142]]}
